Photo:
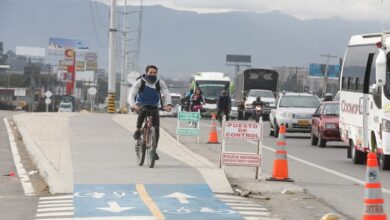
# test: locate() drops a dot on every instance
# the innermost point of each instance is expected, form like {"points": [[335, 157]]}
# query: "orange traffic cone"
{"points": [[280, 171], [373, 200], [213, 136]]}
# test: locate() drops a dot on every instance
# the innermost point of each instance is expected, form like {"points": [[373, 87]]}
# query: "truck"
{"points": [[252, 83], [211, 84]]}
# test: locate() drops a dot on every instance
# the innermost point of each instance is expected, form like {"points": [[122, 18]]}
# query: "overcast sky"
{"points": [[303, 9]]}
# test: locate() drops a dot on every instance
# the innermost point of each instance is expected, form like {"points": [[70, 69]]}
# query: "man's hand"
{"points": [[135, 108], [168, 108]]}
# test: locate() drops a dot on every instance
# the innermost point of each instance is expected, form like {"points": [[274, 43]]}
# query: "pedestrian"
{"points": [[224, 105]]}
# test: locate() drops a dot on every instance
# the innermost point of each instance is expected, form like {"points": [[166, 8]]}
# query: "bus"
{"points": [[211, 84], [365, 98]]}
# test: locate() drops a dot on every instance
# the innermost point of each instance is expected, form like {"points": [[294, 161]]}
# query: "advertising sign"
{"points": [[30, 51], [91, 65], [241, 159], [63, 65], [242, 130], [19, 92], [318, 70], [62, 43]]}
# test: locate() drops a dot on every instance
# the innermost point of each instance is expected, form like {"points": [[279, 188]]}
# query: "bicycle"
{"points": [[147, 143]]}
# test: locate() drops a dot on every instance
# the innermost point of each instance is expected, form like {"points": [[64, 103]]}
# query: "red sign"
{"points": [[241, 159]]}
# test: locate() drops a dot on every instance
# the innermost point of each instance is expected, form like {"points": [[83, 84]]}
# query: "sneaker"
{"points": [[156, 156], [137, 134]]}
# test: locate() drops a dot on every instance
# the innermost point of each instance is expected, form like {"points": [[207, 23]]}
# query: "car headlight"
{"points": [[330, 126], [287, 115], [386, 125]]}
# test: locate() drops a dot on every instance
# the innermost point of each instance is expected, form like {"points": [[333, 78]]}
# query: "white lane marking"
{"points": [[56, 205], [24, 178], [260, 218], [255, 213], [56, 202], [219, 196], [54, 214], [242, 205], [117, 218], [249, 209], [55, 209], [55, 197]]}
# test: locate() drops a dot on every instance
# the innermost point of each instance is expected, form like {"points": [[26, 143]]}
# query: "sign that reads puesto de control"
{"points": [[242, 130]]}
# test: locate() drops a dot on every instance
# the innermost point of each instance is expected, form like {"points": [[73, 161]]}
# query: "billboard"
{"points": [[238, 58], [79, 65], [62, 43], [318, 70], [30, 51]]}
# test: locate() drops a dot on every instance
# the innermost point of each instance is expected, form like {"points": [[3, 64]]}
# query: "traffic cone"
{"points": [[280, 171], [213, 136], [373, 200], [10, 174]]}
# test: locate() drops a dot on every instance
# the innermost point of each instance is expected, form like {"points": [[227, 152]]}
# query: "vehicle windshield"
{"points": [[299, 101], [65, 105], [212, 89], [261, 93], [175, 100], [331, 109]]}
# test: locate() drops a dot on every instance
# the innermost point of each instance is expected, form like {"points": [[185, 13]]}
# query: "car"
{"points": [[295, 111], [65, 107], [325, 124], [175, 98], [234, 110]]}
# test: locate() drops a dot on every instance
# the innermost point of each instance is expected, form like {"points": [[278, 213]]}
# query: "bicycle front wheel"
{"points": [[140, 150], [151, 147]]}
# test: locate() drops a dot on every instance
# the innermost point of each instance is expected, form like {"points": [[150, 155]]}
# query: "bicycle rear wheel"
{"points": [[140, 150], [151, 145]]}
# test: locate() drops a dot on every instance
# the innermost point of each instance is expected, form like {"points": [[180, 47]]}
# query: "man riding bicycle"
{"points": [[146, 92]]}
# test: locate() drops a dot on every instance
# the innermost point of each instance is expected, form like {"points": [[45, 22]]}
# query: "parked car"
{"points": [[325, 124], [295, 111], [175, 98], [65, 107]]}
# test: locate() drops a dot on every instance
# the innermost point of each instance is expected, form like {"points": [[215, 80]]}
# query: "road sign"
{"points": [[92, 91], [189, 116], [241, 159], [48, 94], [242, 130], [47, 101], [20, 92], [187, 131]]}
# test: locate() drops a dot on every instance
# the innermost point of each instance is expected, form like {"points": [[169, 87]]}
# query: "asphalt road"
{"points": [[326, 173], [13, 203]]}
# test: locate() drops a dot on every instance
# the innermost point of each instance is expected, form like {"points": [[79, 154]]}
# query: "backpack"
{"points": [[143, 87]]}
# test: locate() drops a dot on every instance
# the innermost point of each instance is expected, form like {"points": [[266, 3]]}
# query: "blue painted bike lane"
{"points": [[150, 201]]}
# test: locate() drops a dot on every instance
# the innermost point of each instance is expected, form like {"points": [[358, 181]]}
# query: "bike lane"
{"points": [[108, 183]]}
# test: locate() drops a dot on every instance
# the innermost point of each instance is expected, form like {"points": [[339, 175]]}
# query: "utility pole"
{"points": [[124, 64], [328, 56], [112, 60]]}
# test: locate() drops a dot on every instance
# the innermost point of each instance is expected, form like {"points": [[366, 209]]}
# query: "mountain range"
{"points": [[182, 42]]}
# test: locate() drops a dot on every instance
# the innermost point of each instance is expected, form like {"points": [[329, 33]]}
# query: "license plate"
{"points": [[303, 122]]}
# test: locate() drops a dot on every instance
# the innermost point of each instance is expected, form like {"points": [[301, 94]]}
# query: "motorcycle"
{"points": [[258, 113]]}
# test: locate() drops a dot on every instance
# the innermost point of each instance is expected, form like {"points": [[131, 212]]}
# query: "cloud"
{"points": [[302, 9]]}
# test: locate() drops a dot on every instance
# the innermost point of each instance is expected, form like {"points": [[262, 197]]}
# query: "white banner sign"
{"points": [[241, 159], [20, 92], [242, 130]]}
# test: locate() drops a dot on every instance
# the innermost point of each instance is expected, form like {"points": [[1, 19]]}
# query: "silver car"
{"points": [[295, 111]]}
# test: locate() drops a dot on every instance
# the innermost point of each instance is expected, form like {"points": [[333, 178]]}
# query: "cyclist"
{"points": [[146, 92], [224, 104]]}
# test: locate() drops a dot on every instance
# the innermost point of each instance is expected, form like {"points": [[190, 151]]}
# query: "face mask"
{"points": [[151, 78]]}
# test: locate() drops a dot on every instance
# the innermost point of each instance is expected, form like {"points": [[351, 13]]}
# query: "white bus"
{"points": [[211, 84], [365, 98]]}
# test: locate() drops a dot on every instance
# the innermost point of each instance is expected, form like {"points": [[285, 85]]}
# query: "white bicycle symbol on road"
{"points": [[183, 210]]}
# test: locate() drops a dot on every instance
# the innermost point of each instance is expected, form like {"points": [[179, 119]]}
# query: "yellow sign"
{"points": [[79, 65]]}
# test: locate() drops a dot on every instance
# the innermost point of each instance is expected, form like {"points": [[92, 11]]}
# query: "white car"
{"points": [[175, 98], [295, 111], [65, 107]]}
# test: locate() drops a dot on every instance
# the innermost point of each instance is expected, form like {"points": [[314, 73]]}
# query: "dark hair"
{"points": [[199, 91], [151, 66]]}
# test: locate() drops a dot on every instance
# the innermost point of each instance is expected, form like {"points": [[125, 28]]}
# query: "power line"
{"points": [[94, 26]]}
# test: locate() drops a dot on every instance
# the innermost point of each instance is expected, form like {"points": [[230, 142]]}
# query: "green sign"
{"points": [[189, 116], [187, 132]]}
